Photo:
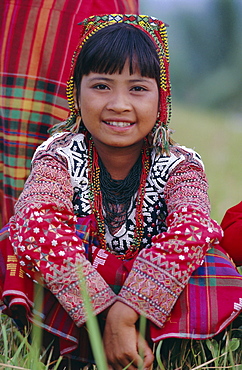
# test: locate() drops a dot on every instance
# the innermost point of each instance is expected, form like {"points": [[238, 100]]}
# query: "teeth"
{"points": [[118, 124]]}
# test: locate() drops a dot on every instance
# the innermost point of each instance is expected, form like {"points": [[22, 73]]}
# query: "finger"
{"points": [[148, 360], [121, 365], [148, 356], [145, 352], [130, 362]]}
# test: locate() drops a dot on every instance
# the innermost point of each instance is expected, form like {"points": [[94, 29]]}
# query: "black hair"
{"points": [[108, 49]]}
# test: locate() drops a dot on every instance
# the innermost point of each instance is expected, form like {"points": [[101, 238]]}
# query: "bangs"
{"points": [[109, 49]]}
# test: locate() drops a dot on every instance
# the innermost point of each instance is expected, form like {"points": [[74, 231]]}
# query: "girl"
{"points": [[110, 192]]}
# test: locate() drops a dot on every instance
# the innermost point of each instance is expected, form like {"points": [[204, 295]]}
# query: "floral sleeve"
{"points": [[42, 232], [161, 272]]}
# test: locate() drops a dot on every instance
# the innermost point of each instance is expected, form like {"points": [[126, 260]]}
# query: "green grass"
{"points": [[217, 137], [17, 353], [223, 352]]}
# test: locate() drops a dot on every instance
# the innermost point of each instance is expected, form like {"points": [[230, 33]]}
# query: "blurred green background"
{"points": [[205, 41]]}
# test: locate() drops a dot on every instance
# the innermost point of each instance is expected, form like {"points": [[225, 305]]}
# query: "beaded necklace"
{"points": [[117, 195], [96, 199]]}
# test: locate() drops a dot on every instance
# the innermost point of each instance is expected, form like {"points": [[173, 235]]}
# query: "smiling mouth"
{"points": [[118, 124]]}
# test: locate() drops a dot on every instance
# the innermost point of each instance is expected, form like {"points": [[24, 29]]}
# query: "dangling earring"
{"points": [[160, 137], [78, 122], [156, 142]]}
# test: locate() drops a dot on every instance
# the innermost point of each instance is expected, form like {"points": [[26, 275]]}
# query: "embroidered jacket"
{"points": [[177, 230]]}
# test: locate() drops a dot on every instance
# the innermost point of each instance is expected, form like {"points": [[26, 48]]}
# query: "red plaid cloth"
{"points": [[37, 40]]}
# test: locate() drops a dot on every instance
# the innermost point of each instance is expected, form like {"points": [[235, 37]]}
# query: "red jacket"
{"points": [[232, 227]]}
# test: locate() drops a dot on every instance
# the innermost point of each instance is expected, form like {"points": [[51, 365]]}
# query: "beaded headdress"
{"points": [[156, 30]]}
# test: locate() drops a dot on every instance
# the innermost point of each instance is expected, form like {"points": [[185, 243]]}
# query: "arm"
{"points": [[160, 273], [42, 232]]}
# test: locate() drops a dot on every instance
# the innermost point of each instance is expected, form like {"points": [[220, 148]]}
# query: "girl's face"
{"points": [[119, 110]]}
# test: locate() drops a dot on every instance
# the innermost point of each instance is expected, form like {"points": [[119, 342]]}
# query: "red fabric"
{"points": [[45, 227], [232, 227], [210, 301], [37, 40]]}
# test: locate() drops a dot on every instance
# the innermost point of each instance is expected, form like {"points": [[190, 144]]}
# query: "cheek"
{"points": [[153, 105], [152, 109], [86, 105]]}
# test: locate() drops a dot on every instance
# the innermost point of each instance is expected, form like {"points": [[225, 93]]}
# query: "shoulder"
{"points": [[232, 215], [187, 156], [185, 153], [57, 144], [178, 155], [232, 227]]}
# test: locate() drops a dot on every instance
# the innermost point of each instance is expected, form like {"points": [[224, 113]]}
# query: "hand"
{"points": [[122, 342]]}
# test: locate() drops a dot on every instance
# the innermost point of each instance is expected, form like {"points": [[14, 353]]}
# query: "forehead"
{"points": [[124, 75]]}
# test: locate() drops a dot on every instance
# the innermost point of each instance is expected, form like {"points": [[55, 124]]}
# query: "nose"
{"points": [[119, 102]]}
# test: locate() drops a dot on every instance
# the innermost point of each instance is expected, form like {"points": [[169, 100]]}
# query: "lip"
{"points": [[118, 123]]}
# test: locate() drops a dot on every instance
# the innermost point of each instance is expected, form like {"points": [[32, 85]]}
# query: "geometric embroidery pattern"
{"points": [[45, 240]]}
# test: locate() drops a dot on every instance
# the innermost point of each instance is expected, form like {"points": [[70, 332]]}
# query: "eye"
{"points": [[101, 87], [138, 88]]}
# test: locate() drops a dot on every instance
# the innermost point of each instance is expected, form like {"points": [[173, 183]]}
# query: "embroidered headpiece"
{"points": [[156, 30]]}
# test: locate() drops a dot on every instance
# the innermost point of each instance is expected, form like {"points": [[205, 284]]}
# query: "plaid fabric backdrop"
{"points": [[37, 39]]}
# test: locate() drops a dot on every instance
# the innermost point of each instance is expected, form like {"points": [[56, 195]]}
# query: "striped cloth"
{"points": [[37, 40]]}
